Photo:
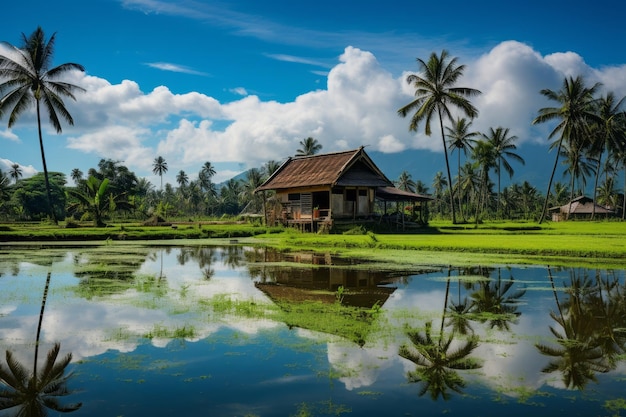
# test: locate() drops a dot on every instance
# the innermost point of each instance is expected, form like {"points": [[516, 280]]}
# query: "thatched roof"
{"points": [[347, 168]]}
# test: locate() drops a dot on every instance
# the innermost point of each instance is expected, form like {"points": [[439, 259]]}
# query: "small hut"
{"points": [[581, 207]]}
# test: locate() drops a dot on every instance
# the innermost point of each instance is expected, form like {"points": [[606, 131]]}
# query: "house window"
{"points": [[351, 195], [294, 197]]}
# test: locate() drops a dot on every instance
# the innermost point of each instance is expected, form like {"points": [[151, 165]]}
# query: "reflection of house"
{"points": [[316, 190], [318, 276], [580, 208]]}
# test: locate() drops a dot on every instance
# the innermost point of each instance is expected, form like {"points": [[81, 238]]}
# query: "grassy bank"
{"points": [[600, 243]]}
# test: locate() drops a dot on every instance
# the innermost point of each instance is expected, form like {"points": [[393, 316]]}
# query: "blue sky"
{"points": [[238, 83]]}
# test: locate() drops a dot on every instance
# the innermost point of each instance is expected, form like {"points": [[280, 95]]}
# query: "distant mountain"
{"points": [[423, 165]]}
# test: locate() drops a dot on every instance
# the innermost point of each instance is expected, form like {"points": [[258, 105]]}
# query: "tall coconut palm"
{"points": [[439, 182], [470, 183], [503, 148], [435, 92], [182, 179], [270, 167], [208, 170], [460, 139], [405, 182], [27, 78], [15, 172], [76, 175], [308, 146], [4, 187], [485, 158], [610, 133], [159, 167], [574, 117]]}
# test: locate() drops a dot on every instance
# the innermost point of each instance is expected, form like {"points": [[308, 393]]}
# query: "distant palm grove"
{"points": [[588, 136]]}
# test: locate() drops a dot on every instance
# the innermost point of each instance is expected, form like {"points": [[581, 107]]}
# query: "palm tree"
{"points": [[27, 78], [159, 167], [484, 155], [610, 133], [578, 166], [439, 181], [460, 139], [434, 92], [574, 116], [270, 167], [606, 193], [15, 172], [560, 194], [405, 182], [4, 186], [182, 179], [503, 147], [309, 146], [254, 178], [208, 170], [76, 175], [470, 182]]}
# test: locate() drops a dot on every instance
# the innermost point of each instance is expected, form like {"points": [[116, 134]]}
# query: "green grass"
{"points": [[583, 243]]}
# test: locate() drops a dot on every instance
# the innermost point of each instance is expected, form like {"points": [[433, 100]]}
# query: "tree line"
{"points": [[112, 190], [589, 135]]}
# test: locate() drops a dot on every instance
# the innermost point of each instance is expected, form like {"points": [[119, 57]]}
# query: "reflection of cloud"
{"points": [[511, 361], [360, 367], [120, 321]]}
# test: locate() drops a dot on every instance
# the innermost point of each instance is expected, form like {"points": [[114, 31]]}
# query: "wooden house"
{"points": [[316, 190]]}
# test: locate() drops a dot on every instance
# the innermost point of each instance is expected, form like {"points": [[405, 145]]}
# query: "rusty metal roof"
{"points": [[347, 168]]}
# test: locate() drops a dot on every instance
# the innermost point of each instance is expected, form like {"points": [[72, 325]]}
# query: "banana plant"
{"points": [[96, 201]]}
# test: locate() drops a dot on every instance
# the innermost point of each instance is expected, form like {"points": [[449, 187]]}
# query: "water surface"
{"points": [[235, 331]]}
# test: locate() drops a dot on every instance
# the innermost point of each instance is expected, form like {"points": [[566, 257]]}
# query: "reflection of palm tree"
{"points": [[459, 311], [437, 363], [208, 273], [35, 392], [608, 311], [232, 256], [579, 355], [492, 298]]}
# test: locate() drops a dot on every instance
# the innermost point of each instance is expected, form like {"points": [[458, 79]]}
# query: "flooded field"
{"points": [[237, 331]]}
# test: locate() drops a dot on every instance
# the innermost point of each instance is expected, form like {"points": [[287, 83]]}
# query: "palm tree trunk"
{"points": [[45, 167], [499, 171], [43, 306], [556, 161], [458, 184], [595, 186], [571, 197], [624, 195], [445, 152]]}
